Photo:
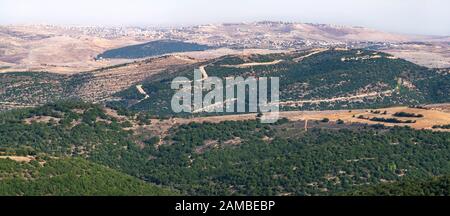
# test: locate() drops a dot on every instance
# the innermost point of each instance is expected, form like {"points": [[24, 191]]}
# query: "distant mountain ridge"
{"points": [[290, 31], [72, 49]]}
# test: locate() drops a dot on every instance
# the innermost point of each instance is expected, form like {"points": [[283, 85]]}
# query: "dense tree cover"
{"points": [[442, 126], [321, 76], [30, 87], [35, 88], [296, 163], [70, 177], [391, 120], [435, 186], [152, 48], [232, 158], [436, 87], [408, 115], [82, 130]]}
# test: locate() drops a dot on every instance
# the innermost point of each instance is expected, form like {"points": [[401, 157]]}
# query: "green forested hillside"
{"points": [[228, 158], [435, 186], [231, 158], [330, 74], [152, 48], [387, 81], [72, 128], [239, 158], [38, 88], [69, 177]]}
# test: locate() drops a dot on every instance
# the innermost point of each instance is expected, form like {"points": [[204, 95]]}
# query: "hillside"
{"points": [[351, 118], [317, 79], [69, 177], [56, 49], [23, 89], [231, 157], [290, 34], [314, 80], [152, 48]]}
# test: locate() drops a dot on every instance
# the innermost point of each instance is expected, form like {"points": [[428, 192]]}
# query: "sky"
{"points": [[428, 17]]}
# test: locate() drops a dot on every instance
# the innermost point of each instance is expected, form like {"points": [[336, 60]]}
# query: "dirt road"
{"points": [[251, 64], [316, 51], [142, 91], [348, 98]]}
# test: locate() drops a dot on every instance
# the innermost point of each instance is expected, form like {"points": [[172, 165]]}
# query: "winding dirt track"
{"points": [[348, 98], [251, 64], [142, 91], [317, 51]]}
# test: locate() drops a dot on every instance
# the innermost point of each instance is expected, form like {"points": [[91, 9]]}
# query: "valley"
{"points": [[87, 111]]}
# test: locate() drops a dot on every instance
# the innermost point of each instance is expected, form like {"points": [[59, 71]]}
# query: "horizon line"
{"points": [[181, 25]]}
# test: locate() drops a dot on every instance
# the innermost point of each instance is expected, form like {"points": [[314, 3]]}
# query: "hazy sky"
{"points": [[404, 16]]}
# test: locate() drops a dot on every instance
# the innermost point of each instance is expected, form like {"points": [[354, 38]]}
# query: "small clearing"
{"points": [[26, 159]]}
